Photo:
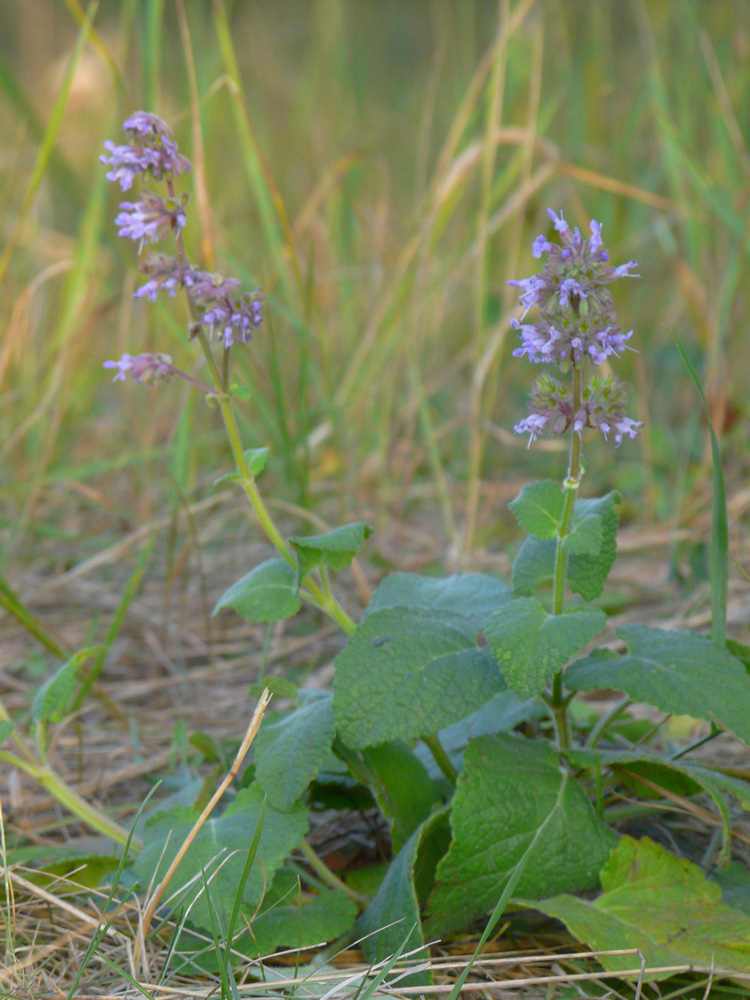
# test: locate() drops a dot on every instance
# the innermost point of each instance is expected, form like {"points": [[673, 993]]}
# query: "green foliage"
{"points": [[587, 568], [539, 508], [675, 671], [407, 672], [531, 646], [220, 849], [659, 904], [290, 751], [267, 593], [335, 548], [510, 787], [51, 700]]}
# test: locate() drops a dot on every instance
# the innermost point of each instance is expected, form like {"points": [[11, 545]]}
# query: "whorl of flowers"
{"points": [[576, 322], [218, 304]]}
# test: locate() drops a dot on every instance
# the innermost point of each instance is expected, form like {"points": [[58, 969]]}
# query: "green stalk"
{"points": [[570, 489], [443, 761]]}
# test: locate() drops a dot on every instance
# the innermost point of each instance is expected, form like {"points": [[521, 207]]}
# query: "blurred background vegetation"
{"points": [[380, 168]]}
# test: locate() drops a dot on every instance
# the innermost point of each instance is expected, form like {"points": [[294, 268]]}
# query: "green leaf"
{"points": [[586, 571], [531, 646], [661, 905], [683, 777], [402, 786], [228, 477], [539, 508], [406, 673], [288, 753], [472, 597], [677, 672], [285, 922], [51, 700], [256, 459], [586, 536], [394, 914], [266, 594], [509, 787], [220, 848], [6, 728], [335, 548]]}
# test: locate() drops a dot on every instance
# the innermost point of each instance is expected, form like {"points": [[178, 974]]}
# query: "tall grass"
{"points": [[379, 169]]}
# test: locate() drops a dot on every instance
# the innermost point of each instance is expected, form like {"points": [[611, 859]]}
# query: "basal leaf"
{"points": [[394, 914], [407, 672], [471, 597], [539, 508], [586, 571], [404, 790], [531, 646], [509, 787], [266, 594], [335, 548], [290, 751], [220, 848], [678, 672], [52, 698], [661, 905]]}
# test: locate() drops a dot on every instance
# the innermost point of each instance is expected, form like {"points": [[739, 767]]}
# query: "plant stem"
{"points": [[443, 761], [570, 489], [598, 731], [324, 872]]}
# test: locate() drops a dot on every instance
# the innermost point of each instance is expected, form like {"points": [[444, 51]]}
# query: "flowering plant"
{"points": [[438, 675]]}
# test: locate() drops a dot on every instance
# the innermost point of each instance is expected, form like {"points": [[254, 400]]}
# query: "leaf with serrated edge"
{"points": [[661, 905], [539, 508], [586, 536], [586, 572], [531, 646], [407, 673], [678, 672], [290, 751], [471, 597], [509, 787], [288, 924], [265, 594], [335, 548], [53, 696], [220, 847]]}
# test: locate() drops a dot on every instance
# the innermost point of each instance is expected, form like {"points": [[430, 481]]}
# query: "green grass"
{"points": [[380, 170]]}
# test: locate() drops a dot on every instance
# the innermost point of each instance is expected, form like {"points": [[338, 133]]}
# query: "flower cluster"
{"points": [[217, 303], [576, 321]]}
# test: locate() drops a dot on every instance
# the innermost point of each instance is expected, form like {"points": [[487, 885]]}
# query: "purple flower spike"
{"points": [[143, 367], [152, 150], [576, 322]]}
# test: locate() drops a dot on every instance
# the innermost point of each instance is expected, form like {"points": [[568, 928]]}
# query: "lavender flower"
{"points": [[152, 150], [150, 217], [576, 321], [168, 274], [143, 367]]}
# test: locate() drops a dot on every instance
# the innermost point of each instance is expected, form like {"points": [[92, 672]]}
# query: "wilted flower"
{"points": [[150, 217], [577, 321], [143, 367]]}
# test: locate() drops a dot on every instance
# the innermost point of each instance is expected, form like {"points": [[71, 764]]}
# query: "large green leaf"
{"points": [[335, 548], [393, 917], [220, 848], [289, 752], [508, 789], [266, 594], [678, 672], [587, 570], [531, 646], [539, 508], [407, 672], [661, 905], [472, 597]]}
